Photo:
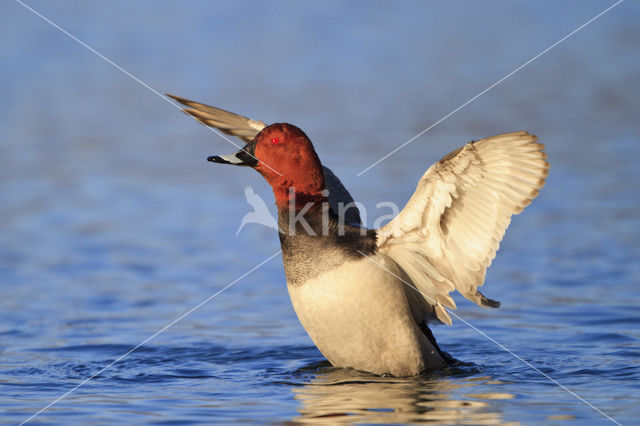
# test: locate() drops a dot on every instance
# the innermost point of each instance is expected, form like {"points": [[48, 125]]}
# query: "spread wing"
{"points": [[225, 121], [448, 233], [246, 129]]}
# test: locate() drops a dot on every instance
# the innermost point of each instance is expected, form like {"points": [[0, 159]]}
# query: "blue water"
{"points": [[113, 225]]}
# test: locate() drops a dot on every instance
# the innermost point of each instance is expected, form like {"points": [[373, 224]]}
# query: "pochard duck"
{"points": [[367, 296]]}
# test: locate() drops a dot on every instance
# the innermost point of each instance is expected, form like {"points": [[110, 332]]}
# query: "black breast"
{"points": [[316, 241]]}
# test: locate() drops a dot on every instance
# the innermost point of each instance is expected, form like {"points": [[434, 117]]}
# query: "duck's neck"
{"points": [[289, 197], [304, 215]]}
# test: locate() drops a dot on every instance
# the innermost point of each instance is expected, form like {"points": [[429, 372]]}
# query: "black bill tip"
{"points": [[244, 157], [217, 159]]}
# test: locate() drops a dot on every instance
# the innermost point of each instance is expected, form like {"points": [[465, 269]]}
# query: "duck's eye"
{"points": [[275, 140]]}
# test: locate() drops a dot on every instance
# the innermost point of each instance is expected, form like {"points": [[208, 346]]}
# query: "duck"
{"points": [[368, 297]]}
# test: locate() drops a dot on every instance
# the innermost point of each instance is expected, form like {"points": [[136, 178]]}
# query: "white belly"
{"points": [[359, 317]]}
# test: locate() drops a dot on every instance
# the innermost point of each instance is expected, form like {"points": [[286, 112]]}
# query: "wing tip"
{"points": [[442, 314], [489, 303], [183, 101]]}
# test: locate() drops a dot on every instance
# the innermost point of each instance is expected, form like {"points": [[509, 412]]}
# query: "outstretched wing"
{"points": [[448, 233], [227, 122]]}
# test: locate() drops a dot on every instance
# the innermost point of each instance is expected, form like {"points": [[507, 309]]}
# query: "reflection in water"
{"points": [[343, 395]]}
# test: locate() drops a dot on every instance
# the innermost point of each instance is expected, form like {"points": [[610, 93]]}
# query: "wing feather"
{"points": [[225, 121], [450, 230]]}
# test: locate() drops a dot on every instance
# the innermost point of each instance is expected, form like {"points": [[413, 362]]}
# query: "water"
{"points": [[113, 225]]}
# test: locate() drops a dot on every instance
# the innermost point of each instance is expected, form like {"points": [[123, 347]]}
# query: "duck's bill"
{"points": [[244, 157]]}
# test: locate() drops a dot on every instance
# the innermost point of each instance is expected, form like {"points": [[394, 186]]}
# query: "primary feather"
{"points": [[225, 121]]}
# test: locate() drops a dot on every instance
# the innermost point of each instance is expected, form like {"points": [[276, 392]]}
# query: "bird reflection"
{"points": [[344, 395]]}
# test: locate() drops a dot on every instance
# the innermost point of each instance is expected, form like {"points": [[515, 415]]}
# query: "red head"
{"points": [[285, 157]]}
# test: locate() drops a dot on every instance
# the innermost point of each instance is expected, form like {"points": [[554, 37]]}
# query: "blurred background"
{"points": [[113, 224]]}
